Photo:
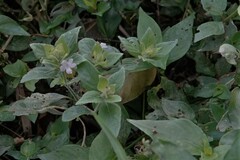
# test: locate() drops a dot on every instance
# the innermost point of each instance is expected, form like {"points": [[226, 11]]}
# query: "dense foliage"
{"points": [[119, 79]]}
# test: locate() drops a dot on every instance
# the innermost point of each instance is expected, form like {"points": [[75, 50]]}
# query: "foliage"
{"points": [[119, 79]]}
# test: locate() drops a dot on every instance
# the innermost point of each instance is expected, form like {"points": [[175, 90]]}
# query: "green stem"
{"points": [[134, 142], [230, 16], [71, 91]]}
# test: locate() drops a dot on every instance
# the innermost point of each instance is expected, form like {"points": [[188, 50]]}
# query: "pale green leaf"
{"points": [[74, 112], [17, 69], [111, 116], [183, 32], [189, 136], [118, 79], [209, 29], [145, 22], [214, 7]]}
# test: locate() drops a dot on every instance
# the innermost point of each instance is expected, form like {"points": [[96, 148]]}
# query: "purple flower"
{"points": [[67, 65]]}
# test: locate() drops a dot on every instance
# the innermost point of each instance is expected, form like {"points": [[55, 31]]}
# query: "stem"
{"points": [[230, 16], [71, 91], [134, 142], [84, 132], [6, 44]]}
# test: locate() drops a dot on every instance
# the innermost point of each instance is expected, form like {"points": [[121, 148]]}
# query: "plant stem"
{"points": [[6, 44], [84, 132], [230, 16]]}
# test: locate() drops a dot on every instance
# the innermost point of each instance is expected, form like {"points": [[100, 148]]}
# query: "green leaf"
{"points": [[37, 103], [29, 148], [6, 142], [218, 153], [161, 58], [38, 73], [17, 69], [40, 50], [97, 148], [88, 75], [146, 22], [86, 45], [214, 7], [132, 45], [70, 38], [189, 136], [229, 137], [118, 149], [166, 150], [177, 109], [102, 83], [233, 152], [10, 27], [204, 65], [90, 97], [19, 43], [5, 115], [183, 32], [102, 7], [70, 151], [74, 112], [118, 79], [209, 29], [111, 116]]}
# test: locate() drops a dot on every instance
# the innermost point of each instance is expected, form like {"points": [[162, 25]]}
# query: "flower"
{"points": [[229, 52], [67, 65]]}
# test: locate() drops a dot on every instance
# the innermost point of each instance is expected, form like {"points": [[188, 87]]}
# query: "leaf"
{"points": [[86, 45], [177, 109], [5, 115], [209, 29], [118, 79], [118, 149], [40, 50], [29, 149], [74, 112], [164, 150], [229, 137], [102, 83], [17, 69], [70, 38], [10, 27], [233, 152], [161, 58], [214, 7], [131, 44], [88, 75], [36, 103], [106, 152], [183, 32], [218, 153], [135, 83], [19, 43], [70, 151], [111, 116], [146, 22], [189, 136], [38, 73], [6, 142]]}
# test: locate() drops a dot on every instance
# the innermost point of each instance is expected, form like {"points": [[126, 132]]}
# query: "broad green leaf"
{"points": [[161, 58], [177, 109], [70, 38], [118, 79], [74, 112], [86, 45], [91, 4], [6, 142], [102, 83], [229, 137], [131, 44], [102, 7], [189, 136], [233, 153], [214, 7], [108, 23], [5, 115], [183, 32], [10, 27], [37, 103], [69, 151], [218, 153], [18, 43], [145, 22], [88, 75], [135, 65], [29, 149], [166, 150], [17, 69], [118, 149], [209, 29], [40, 50], [38, 73], [90, 97], [148, 40], [111, 116], [173, 3], [101, 147], [96, 97]]}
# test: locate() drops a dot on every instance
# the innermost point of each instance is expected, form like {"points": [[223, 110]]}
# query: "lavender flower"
{"points": [[103, 45], [67, 65]]}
